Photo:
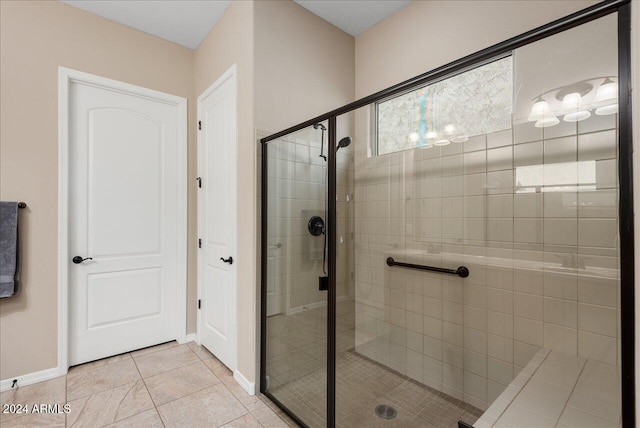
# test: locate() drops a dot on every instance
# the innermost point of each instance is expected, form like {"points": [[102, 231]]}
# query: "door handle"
{"points": [[77, 259], [229, 260]]}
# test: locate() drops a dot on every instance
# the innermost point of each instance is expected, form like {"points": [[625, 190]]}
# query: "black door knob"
{"points": [[229, 260], [77, 259]]}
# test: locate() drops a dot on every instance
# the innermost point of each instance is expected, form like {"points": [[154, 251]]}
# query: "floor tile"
{"points": [[210, 407], [82, 368], [109, 406], [268, 418], [178, 383], [148, 419], [217, 367], [101, 379], [202, 352], [34, 420], [246, 421], [165, 360], [47, 392], [152, 349]]}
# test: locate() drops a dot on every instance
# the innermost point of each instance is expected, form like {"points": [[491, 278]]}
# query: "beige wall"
{"points": [[231, 42], [304, 66], [36, 37], [427, 34]]}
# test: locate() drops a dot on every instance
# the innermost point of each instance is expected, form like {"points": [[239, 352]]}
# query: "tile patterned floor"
{"points": [[362, 385], [168, 385], [297, 378]]}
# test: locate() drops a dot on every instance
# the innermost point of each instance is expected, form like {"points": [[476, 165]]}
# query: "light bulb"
{"points": [[571, 102], [607, 91], [460, 139], [442, 142], [539, 110], [413, 137], [449, 129], [605, 110], [577, 116], [547, 122], [432, 135]]}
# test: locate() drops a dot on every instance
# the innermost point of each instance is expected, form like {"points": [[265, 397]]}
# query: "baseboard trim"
{"points": [[31, 378], [250, 387], [191, 337]]}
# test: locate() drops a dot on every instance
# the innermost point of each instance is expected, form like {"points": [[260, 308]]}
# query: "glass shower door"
{"points": [[296, 307]]}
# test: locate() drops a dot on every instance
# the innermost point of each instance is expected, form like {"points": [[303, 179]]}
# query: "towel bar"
{"points": [[22, 205]]}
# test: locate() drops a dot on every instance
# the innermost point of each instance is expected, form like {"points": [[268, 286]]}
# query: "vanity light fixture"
{"points": [[575, 102]]}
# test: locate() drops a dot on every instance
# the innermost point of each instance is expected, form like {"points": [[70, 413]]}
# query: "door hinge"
{"points": [[199, 181], [199, 303], [199, 125], [199, 243]]}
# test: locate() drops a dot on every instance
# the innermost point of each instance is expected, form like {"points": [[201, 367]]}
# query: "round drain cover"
{"points": [[385, 411]]}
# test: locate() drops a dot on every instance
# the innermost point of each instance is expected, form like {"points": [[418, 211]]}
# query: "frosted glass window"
{"points": [[475, 102]]}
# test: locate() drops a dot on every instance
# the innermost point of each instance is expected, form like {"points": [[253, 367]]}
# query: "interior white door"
{"points": [[123, 193], [218, 264]]}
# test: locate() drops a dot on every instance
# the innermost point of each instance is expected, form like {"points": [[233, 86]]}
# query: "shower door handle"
{"points": [[229, 260]]}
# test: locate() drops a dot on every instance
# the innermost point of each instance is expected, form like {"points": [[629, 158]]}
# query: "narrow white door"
{"points": [[123, 217], [218, 263]]}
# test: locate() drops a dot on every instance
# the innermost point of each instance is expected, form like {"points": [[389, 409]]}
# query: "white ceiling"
{"points": [[353, 16], [187, 22]]}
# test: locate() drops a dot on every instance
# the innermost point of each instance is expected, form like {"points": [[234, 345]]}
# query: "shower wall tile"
{"points": [[525, 132], [561, 150], [560, 338], [528, 331], [560, 130], [527, 230], [500, 347], [597, 145], [560, 231], [561, 312], [475, 162], [527, 205], [598, 232], [500, 205], [528, 306], [500, 159], [499, 139], [597, 347], [542, 254], [527, 154], [560, 204], [597, 319]]}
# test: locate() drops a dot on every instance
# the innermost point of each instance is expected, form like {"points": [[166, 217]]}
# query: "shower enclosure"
{"points": [[459, 248]]}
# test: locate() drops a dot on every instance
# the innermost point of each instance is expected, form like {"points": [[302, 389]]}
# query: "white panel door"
{"points": [[217, 140], [123, 216]]}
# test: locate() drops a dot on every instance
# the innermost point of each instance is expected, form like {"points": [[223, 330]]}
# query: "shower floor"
{"points": [[361, 384]]}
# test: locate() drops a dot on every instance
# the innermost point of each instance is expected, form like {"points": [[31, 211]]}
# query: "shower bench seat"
{"points": [[558, 389]]}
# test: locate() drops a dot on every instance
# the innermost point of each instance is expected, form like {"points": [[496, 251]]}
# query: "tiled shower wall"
{"points": [[297, 191], [533, 217]]}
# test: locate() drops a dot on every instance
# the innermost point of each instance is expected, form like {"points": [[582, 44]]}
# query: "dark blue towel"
{"points": [[9, 249]]}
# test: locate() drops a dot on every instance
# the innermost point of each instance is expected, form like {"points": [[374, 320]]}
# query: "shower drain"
{"points": [[385, 411]]}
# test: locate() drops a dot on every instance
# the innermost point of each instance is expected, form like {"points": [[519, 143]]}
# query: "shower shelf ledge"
{"points": [[553, 390]]}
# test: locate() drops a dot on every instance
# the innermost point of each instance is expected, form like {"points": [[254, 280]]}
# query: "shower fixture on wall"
{"points": [[575, 102], [344, 143]]}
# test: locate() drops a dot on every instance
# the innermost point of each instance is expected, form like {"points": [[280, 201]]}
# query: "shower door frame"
{"points": [[625, 176]]}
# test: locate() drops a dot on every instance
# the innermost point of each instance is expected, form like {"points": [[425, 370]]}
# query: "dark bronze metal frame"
{"points": [[625, 171]]}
